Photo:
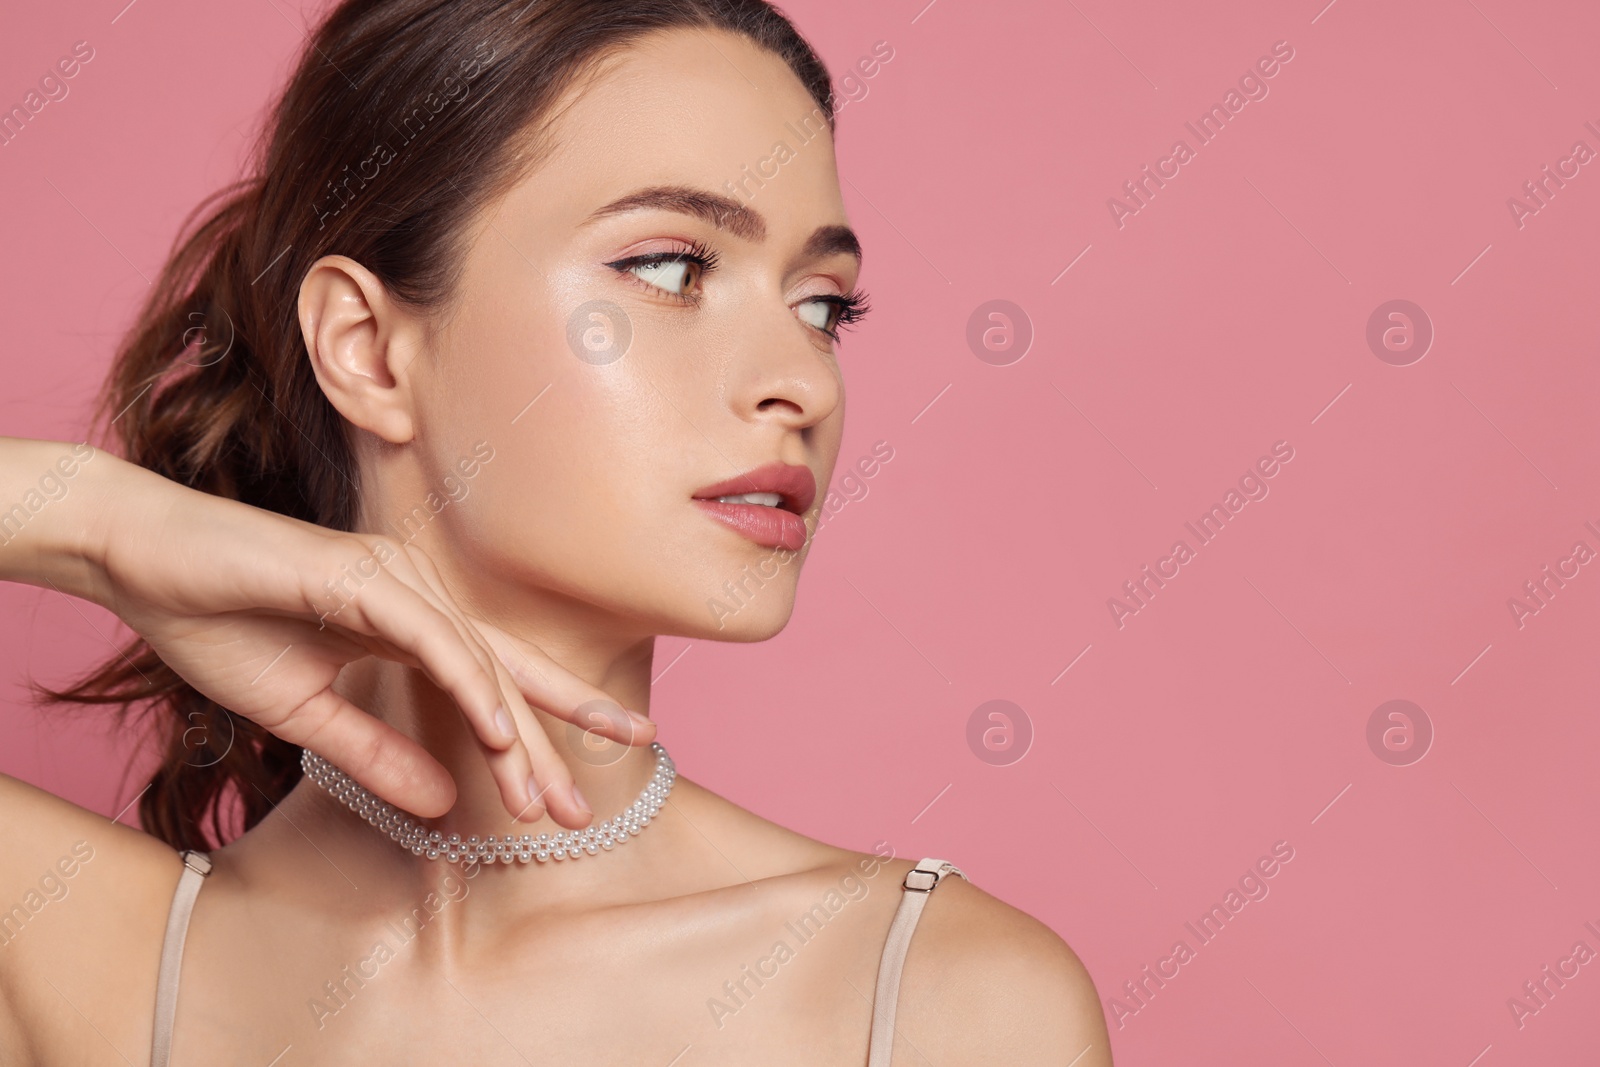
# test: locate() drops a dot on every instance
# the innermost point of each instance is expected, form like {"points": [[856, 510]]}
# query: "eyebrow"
{"points": [[728, 215]]}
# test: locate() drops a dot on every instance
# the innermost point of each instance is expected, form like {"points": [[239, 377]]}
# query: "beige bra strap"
{"points": [[920, 881], [196, 865]]}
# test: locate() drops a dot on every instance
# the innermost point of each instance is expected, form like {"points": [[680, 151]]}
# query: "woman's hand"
{"points": [[260, 612]]}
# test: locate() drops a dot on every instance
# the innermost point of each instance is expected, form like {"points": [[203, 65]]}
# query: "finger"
{"points": [[532, 777], [513, 768], [379, 757], [549, 778], [549, 686], [550, 768], [419, 628]]}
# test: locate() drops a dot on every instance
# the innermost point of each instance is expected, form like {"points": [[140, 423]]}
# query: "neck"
{"points": [[607, 773], [610, 775]]}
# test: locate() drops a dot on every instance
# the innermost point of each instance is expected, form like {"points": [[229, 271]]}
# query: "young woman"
{"points": [[489, 375]]}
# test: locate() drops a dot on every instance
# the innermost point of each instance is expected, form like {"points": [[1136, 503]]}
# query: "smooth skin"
{"points": [[539, 592]]}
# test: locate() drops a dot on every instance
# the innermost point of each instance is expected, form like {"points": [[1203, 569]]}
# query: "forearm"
{"points": [[55, 500]]}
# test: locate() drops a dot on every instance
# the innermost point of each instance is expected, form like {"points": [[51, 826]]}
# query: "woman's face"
{"points": [[611, 391]]}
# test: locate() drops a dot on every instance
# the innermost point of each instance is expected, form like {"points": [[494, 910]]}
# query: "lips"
{"points": [[795, 484], [779, 526]]}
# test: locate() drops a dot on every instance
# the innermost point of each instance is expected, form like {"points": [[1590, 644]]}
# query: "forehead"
{"points": [[693, 107]]}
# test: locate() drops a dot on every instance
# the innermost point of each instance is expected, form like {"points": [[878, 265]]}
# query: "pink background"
{"points": [[1227, 314]]}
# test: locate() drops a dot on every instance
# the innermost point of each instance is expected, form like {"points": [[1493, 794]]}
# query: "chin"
{"points": [[751, 632], [757, 616]]}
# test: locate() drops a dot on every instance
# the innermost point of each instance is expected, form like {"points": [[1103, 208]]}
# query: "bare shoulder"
{"points": [[987, 983], [81, 897], [983, 983], [40, 825]]}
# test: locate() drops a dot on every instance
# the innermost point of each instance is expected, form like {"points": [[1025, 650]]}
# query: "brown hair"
{"points": [[403, 119]]}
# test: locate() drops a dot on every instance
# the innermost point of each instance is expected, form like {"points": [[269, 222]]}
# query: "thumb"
{"points": [[393, 766]]}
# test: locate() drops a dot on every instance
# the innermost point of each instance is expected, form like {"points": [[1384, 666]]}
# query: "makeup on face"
{"points": [[765, 504]]}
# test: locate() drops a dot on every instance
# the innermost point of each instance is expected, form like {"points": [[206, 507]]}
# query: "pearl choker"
{"points": [[566, 844]]}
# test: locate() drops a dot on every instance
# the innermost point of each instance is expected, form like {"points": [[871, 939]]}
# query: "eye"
{"points": [[819, 313], [829, 313], [677, 274], [672, 275]]}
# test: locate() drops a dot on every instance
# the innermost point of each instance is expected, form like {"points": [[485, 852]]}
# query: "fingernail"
{"points": [[577, 796], [533, 789], [502, 722], [639, 718]]}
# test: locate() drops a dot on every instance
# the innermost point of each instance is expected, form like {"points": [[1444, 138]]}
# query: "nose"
{"points": [[781, 375]]}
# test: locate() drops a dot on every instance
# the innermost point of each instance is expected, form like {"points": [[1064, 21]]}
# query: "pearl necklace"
{"points": [[566, 844]]}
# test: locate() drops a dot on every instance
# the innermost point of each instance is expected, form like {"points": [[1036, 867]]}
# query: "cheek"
{"points": [[496, 361], [586, 492]]}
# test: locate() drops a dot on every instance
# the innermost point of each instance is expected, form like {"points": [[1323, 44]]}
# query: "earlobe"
{"points": [[360, 344]]}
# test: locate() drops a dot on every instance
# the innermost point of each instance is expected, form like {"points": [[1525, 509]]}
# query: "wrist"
{"points": [[56, 511], [86, 542]]}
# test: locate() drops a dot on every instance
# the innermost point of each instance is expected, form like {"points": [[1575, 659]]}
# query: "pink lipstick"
{"points": [[767, 504]]}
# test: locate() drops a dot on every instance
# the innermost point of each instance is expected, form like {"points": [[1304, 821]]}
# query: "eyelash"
{"points": [[853, 306]]}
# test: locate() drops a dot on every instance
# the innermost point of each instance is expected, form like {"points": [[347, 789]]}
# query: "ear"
{"points": [[361, 344]]}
